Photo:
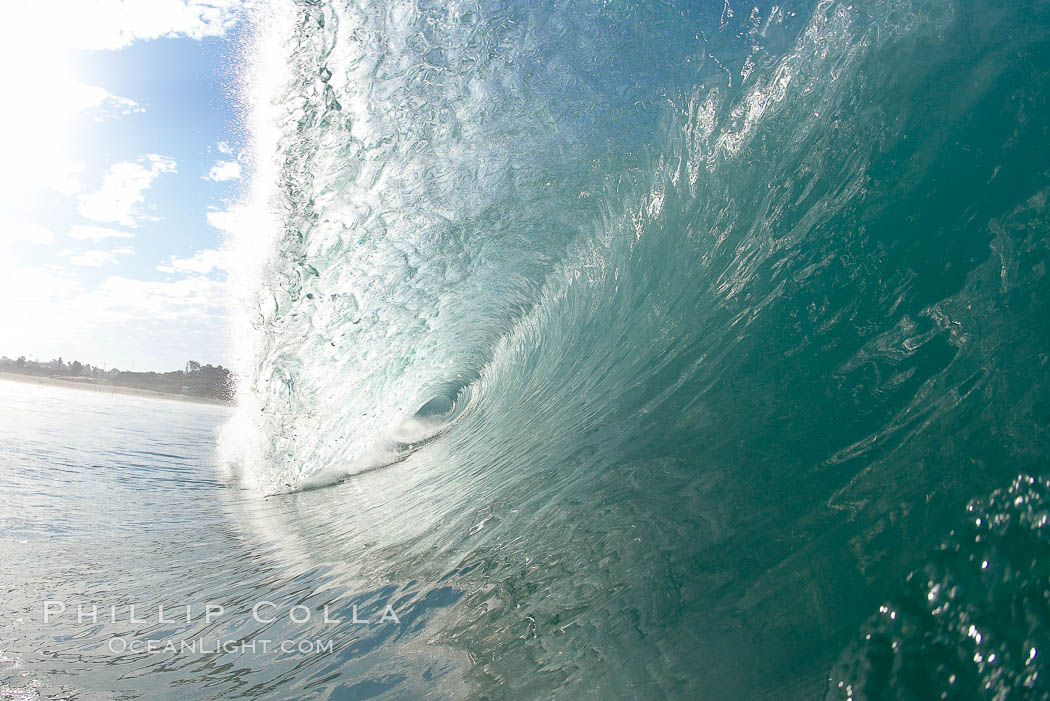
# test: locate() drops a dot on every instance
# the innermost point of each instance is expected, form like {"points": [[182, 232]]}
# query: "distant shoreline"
{"points": [[105, 388]]}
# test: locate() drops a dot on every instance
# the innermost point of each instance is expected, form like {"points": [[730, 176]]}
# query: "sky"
{"points": [[120, 159]]}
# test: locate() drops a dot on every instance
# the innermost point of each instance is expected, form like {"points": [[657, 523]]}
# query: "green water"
{"points": [[716, 318]]}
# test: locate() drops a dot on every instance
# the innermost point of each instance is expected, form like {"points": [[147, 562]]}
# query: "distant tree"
{"points": [[76, 368], [21, 362], [193, 366]]}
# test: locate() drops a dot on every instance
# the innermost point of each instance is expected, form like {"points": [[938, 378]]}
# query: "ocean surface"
{"points": [[625, 350]]}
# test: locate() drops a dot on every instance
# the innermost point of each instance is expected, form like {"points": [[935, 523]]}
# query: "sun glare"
{"points": [[37, 125]]}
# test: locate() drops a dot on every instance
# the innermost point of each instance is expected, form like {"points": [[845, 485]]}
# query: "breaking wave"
{"points": [[718, 312]]}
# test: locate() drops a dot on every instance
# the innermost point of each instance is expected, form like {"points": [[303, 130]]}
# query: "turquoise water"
{"points": [[627, 350]]}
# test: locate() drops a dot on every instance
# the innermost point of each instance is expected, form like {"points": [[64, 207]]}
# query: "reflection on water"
{"points": [[113, 502]]}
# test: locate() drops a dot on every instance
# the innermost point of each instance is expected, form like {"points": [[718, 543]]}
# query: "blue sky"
{"points": [[123, 155]]}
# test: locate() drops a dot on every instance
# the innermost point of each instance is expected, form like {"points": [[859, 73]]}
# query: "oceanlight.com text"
{"points": [[119, 646]]}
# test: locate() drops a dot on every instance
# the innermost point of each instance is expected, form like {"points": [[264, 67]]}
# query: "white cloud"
{"points": [[202, 262], [11, 231], [114, 24], [90, 232], [92, 258], [81, 97], [95, 258], [121, 321], [224, 170], [122, 190], [224, 148]]}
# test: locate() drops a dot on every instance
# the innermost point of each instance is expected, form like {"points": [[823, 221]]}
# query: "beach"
{"points": [[89, 385]]}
